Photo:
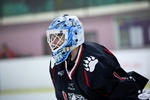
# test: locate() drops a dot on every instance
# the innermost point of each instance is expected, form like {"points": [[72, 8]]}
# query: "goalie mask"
{"points": [[64, 34]]}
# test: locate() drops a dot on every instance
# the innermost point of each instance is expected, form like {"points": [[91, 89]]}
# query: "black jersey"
{"points": [[96, 75]]}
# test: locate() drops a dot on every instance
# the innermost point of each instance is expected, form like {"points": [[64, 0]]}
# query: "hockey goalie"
{"points": [[85, 70]]}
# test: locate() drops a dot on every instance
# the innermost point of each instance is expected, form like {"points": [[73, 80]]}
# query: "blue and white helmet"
{"points": [[63, 35]]}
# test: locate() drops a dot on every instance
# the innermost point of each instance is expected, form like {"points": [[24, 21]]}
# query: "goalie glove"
{"points": [[145, 95]]}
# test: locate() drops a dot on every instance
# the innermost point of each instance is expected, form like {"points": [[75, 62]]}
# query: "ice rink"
{"points": [[29, 96]]}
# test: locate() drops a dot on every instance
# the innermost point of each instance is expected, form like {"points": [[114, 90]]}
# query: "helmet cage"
{"points": [[58, 35]]}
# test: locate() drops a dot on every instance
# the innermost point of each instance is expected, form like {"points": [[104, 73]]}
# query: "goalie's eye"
{"points": [[60, 34]]}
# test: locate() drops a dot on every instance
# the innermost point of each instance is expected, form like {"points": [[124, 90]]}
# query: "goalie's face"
{"points": [[56, 39]]}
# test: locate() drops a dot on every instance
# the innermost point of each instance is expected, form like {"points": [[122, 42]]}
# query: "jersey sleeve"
{"points": [[109, 79], [52, 70], [102, 78]]}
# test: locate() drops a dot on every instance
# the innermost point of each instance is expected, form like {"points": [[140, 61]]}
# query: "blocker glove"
{"points": [[145, 95]]}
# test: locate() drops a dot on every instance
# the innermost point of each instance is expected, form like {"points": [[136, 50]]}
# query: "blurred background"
{"points": [[123, 26]]}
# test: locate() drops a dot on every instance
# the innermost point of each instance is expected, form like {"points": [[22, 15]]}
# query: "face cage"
{"points": [[55, 38]]}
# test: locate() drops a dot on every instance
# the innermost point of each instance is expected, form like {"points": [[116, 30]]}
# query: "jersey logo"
{"points": [[90, 63], [73, 96], [61, 73], [71, 86]]}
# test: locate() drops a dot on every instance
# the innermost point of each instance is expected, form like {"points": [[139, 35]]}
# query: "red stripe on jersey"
{"points": [[108, 51], [86, 78], [54, 74], [119, 77], [78, 61], [64, 95]]}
